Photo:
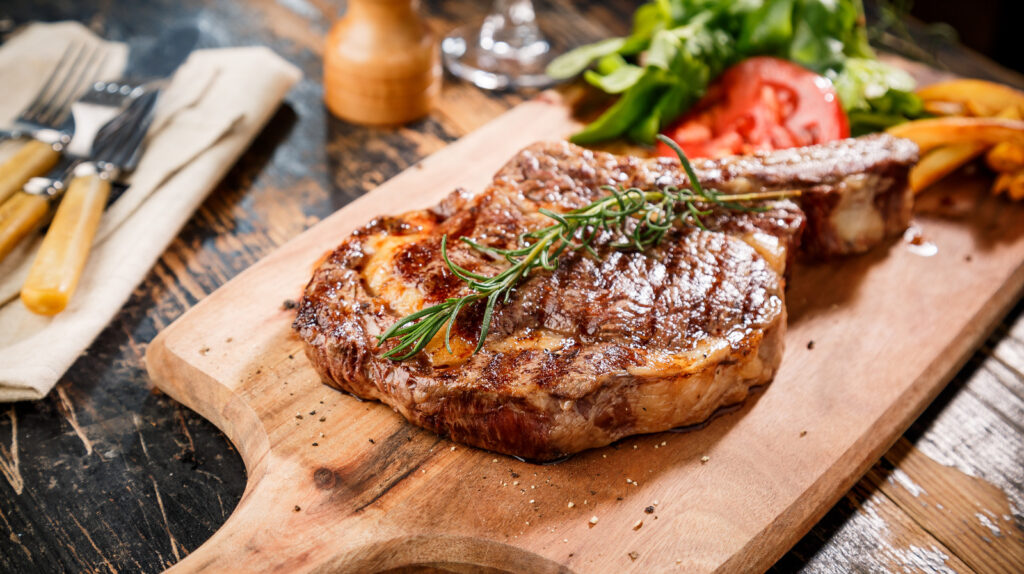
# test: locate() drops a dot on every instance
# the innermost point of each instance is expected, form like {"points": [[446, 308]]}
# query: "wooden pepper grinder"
{"points": [[381, 64]]}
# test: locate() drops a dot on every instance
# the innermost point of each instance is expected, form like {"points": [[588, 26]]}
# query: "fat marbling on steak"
{"points": [[606, 347]]}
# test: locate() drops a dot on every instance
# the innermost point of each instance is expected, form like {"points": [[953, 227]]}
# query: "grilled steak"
{"points": [[600, 348], [855, 191]]}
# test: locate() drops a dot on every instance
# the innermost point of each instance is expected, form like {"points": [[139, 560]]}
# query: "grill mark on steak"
{"points": [[599, 348], [669, 298]]}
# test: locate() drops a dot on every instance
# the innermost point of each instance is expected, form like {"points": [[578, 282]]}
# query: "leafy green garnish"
{"points": [[875, 95], [630, 109], [615, 82], [677, 47], [573, 62]]}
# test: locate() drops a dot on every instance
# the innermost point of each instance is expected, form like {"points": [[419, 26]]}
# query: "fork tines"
{"points": [[118, 142], [77, 68]]}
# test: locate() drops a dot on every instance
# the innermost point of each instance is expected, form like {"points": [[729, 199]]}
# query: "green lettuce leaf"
{"points": [[633, 107], [617, 81], [575, 61], [875, 95]]}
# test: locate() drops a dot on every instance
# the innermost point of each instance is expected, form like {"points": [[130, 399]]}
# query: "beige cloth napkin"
{"points": [[217, 103]]}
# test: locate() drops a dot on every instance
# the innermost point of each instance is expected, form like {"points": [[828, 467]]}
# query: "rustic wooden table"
{"points": [[107, 474]]}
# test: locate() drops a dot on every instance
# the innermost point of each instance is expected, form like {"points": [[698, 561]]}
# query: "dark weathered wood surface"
{"points": [[107, 475]]}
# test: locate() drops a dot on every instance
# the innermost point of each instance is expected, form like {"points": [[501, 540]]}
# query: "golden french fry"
{"points": [[941, 162], [978, 110], [939, 108], [983, 98], [1016, 189], [932, 133], [1002, 183], [1006, 157], [1011, 113]]}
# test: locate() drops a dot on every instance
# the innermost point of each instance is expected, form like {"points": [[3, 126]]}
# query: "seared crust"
{"points": [[597, 350]]}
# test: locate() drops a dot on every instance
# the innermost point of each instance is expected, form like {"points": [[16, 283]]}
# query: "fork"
{"points": [[45, 117], [23, 212]]}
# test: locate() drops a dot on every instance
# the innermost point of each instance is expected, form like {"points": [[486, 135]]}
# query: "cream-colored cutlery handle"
{"points": [[20, 215], [58, 265], [35, 158]]}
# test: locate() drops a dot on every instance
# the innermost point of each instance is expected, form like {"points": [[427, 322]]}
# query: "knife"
{"points": [[58, 265], [148, 66]]}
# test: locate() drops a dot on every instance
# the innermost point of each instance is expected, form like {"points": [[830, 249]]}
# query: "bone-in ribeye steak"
{"points": [[600, 348]]}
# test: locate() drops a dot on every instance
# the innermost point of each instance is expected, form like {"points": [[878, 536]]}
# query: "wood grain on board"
{"points": [[343, 484]]}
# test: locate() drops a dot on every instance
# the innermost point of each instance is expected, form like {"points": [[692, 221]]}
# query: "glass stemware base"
{"points": [[507, 50]]}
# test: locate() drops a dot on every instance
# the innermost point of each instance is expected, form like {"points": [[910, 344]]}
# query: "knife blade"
{"points": [[25, 211], [58, 265]]}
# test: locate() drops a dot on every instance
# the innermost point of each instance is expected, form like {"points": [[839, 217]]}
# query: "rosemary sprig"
{"points": [[641, 217]]}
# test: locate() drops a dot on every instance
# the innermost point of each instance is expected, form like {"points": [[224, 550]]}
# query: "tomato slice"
{"points": [[762, 103]]}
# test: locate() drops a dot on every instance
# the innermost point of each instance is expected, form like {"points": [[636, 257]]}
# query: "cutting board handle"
{"points": [[232, 550], [330, 529]]}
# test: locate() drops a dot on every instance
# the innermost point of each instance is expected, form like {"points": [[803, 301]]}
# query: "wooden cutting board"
{"points": [[340, 484]]}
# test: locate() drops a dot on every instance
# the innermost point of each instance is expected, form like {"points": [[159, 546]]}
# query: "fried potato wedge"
{"points": [[932, 133], [1010, 113], [940, 108], [1006, 157], [1002, 183], [982, 98], [941, 162], [1016, 188]]}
